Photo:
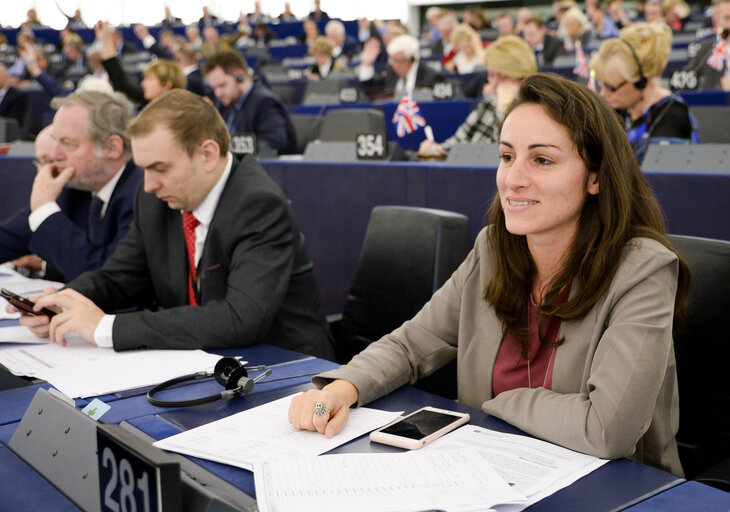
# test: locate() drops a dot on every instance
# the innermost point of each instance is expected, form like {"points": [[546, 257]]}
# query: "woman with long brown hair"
{"points": [[561, 316]]}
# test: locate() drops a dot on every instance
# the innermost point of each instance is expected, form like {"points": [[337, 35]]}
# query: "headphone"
{"points": [[239, 78], [641, 83], [229, 372]]}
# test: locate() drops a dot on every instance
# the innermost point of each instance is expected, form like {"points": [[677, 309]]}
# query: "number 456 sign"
{"points": [[133, 475]]}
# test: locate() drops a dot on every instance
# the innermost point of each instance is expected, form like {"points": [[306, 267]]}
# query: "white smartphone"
{"points": [[419, 428]]}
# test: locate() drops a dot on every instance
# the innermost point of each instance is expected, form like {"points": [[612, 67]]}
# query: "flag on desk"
{"points": [[717, 58], [407, 118], [581, 63]]}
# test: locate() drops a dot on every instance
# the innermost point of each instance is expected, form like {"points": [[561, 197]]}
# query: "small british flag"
{"points": [[581, 63], [718, 57], [407, 118]]}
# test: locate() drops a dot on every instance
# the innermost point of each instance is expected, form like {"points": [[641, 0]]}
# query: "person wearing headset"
{"points": [[628, 69], [248, 108]]}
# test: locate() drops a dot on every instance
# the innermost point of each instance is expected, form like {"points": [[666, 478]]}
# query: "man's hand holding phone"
{"points": [[37, 322], [48, 184], [69, 311]]}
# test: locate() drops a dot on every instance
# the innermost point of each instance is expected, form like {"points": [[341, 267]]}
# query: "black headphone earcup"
{"points": [[239, 78], [239, 377], [641, 84], [224, 369]]}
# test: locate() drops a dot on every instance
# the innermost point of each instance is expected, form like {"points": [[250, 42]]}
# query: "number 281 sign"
{"points": [[130, 480]]}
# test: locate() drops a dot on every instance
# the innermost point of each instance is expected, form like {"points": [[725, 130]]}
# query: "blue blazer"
{"points": [[62, 238], [263, 114]]}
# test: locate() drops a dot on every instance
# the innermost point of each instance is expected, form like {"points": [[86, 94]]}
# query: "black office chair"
{"points": [[712, 123], [702, 347], [407, 254], [345, 124], [287, 93], [306, 127]]}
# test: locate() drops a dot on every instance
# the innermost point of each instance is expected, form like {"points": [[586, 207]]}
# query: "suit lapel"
{"points": [[178, 257]]}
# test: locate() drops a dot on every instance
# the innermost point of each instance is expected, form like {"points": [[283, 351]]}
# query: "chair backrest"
{"points": [[10, 129], [706, 158], [306, 127], [336, 89], [344, 124], [287, 93], [702, 347], [713, 124], [22, 148], [479, 154], [406, 255]]}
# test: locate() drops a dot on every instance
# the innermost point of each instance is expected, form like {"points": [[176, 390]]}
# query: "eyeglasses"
{"points": [[614, 88], [38, 163]]}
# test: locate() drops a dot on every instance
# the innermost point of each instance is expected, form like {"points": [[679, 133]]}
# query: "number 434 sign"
{"points": [[133, 475]]}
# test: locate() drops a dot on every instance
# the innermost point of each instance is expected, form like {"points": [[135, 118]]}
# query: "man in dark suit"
{"points": [[248, 108], [405, 70], [230, 271], [343, 45], [710, 77], [81, 203], [13, 102], [74, 66], [162, 49], [545, 46], [187, 60]]}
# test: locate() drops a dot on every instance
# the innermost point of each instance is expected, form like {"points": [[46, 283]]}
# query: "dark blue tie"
{"points": [[95, 220]]}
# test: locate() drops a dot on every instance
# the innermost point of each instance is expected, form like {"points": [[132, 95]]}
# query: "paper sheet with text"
{"points": [[264, 433]]}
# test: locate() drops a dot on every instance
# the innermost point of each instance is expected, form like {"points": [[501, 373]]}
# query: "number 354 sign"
{"points": [[133, 475]]}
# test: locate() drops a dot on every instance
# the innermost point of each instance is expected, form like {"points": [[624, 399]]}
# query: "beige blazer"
{"points": [[614, 380]]}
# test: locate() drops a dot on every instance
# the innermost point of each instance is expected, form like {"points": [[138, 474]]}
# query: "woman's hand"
{"points": [[326, 410]]}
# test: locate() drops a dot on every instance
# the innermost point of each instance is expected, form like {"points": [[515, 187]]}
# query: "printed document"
{"points": [[80, 369], [533, 468], [264, 433], [18, 333], [453, 480]]}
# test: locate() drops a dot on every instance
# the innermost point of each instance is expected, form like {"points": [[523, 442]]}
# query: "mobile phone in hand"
{"points": [[23, 304]]}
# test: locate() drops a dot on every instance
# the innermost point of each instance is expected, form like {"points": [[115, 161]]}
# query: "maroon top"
{"points": [[510, 368]]}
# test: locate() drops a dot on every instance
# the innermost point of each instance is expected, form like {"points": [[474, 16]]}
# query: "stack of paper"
{"points": [[534, 468], [80, 369], [454, 480], [470, 469]]}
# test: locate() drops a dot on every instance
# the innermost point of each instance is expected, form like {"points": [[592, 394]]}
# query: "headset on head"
{"points": [[239, 78], [229, 372], [641, 83]]}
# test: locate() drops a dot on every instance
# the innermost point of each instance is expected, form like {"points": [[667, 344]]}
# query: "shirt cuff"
{"points": [[148, 41], [40, 214], [103, 332], [365, 73]]}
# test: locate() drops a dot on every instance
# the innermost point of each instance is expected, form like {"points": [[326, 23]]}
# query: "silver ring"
{"points": [[321, 408]]}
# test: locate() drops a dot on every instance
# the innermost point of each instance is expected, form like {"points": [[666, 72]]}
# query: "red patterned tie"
{"points": [[189, 225]]}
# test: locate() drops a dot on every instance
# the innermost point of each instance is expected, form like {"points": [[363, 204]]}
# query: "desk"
{"points": [[614, 486], [683, 497]]}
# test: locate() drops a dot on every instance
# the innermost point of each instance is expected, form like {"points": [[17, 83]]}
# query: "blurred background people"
{"points": [[629, 70]]}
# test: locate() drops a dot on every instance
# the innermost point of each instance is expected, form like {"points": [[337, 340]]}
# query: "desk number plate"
{"points": [[371, 146], [134, 476]]}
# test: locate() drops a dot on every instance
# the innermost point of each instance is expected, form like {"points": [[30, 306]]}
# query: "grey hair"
{"points": [[109, 115]]}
